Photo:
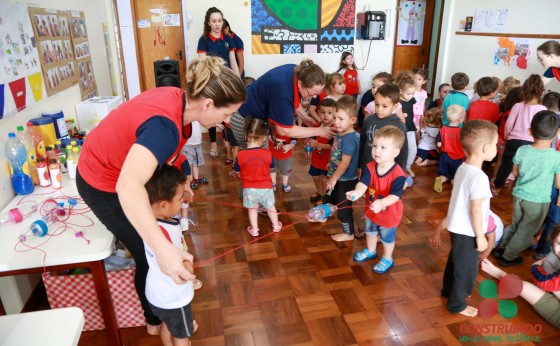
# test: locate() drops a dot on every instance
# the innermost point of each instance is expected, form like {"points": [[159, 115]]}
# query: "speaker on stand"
{"points": [[167, 73]]}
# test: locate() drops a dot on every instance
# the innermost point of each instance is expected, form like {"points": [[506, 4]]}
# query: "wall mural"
{"points": [[302, 26]]}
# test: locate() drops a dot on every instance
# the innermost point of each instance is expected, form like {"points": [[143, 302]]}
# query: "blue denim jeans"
{"points": [[552, 219]]}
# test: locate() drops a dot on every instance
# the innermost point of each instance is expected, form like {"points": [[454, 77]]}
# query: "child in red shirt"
{"points": [[350, 72], [253, 165], [449, 140], [484, 108], [281, 151]]}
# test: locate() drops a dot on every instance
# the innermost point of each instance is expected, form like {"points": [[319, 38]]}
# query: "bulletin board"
{"points": [[56, 55], [78, 30], [21, 81]]}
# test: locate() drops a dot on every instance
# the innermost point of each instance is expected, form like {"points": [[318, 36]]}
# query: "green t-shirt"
{"points": [[537, 168]]}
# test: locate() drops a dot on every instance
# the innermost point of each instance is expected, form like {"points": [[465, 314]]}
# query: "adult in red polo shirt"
{"points": [[123, 151], [548, 54], [213, 42], [276, 95]]}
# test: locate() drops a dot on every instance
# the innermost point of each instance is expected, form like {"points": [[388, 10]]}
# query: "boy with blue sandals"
{"points": [[383, 180]]}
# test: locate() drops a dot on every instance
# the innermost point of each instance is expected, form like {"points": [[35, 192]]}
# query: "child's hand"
{"points": [[484, 254], [331, 183], [287, 147], [435, 239], [377, 206], [237, 174], [352, 195], [326, 132], [312, 143], [481, 243], [538, 263]]}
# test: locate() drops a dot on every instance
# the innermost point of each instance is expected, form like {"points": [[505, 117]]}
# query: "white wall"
{"points": [[474, 55], [239, 17], [96, 13]]}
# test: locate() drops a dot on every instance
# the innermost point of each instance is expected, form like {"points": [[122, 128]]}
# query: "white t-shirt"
{"points": [[161, 290], [428, 138], [196, 134], [470, 183]]}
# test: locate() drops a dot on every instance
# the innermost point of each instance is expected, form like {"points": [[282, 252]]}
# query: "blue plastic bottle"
{"points": [[16, 154]]}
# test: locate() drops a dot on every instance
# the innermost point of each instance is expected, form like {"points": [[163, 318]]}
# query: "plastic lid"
{"points": [[61, 204], [58, 142], [20, 128], [29, 123], [68, 146], [11, 135], [73, 143], [75, 149], [41, 121]]}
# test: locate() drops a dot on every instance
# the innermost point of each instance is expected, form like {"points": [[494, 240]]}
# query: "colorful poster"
{"points": [[19, 59], [411, 15], [513, 52], [302, 26], [83, 65], [52, 29]]}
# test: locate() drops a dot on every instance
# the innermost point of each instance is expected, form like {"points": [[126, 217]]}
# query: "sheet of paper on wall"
{"points": [[171, 20], [491, 20], [21, 81], [143, 23]]}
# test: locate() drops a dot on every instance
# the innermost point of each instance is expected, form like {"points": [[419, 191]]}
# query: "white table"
{"points": [[64, 251], [57, 327]]}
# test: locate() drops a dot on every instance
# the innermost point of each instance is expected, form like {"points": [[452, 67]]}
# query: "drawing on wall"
{"points": [[411, 23], [513, 52], [21, 83], [302, 26]]}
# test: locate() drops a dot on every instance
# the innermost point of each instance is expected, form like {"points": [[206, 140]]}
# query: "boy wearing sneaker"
{"points": [[193, 151], [383, 180]]}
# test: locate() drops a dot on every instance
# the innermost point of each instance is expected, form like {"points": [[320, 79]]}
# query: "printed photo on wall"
{"points": [[41, 24], [411, 15], [78, 26], [63, 24]]}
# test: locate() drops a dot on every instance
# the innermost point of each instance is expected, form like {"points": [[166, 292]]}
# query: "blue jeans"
{"points": [[552, 219], [387, 235]]}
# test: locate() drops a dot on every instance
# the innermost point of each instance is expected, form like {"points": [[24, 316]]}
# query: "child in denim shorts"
{"points": [[383, 180]]}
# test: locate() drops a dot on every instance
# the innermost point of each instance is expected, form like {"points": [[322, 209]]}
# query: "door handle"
{"points": [[180, 54]]}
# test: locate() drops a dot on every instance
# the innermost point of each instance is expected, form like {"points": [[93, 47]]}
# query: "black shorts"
{"points": [[179, 321]]}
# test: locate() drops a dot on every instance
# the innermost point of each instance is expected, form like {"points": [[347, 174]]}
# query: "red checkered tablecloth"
{"points": [[79, 291]]}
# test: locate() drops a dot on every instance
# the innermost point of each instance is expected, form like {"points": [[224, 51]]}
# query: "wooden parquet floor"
{"points": [[299, 287]]}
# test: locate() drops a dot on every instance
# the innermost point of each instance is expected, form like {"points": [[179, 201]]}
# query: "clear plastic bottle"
{"points": [[54, 168], [16, 154], [30, 150], [17, 215], [321, 212], [72, 162]]}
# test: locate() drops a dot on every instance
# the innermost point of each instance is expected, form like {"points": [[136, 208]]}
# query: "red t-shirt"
{"points": [[352, 82], [320, 157], [450, 138], [484, 110], [391, 183], [502, 127], [279, 153], [254, 165]]}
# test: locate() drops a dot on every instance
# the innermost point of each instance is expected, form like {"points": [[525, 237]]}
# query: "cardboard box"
{"points": [[90, 112], [79, 291]]}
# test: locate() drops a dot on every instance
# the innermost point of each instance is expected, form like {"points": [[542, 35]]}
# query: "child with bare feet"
{"points": [[467, 216], [450, 145], [429, 129]]}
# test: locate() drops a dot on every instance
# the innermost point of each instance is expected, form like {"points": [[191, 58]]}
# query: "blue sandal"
{"points": [[364, 255], [383, 266]]}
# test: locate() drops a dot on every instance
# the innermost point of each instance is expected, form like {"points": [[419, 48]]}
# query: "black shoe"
{"points": [[315, 198], [498, 252], [514, 262], [194, 186], [201, 180], [360, 234]]}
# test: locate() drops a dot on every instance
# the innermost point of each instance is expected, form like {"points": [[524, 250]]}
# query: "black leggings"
{"points": [[507, 161], [107, 208], [212, 134]]}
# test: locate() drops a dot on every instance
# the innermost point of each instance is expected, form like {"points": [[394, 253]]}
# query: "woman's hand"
{"points": [[170, 260], [326, 132]]}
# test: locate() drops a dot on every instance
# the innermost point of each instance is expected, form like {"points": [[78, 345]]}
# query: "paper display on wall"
{"points": [[411, 23], [84, 67], [513, 52], [171, 20], [21, 82], [55, 48], [490, 20]]}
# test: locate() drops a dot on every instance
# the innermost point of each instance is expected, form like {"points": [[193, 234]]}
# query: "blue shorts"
{"points": [[315, 172], [387, 235], [428, 154], [447, 166]]}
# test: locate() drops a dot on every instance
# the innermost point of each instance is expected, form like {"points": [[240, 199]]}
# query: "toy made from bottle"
{"points": [[321, 212], [16, 215]]}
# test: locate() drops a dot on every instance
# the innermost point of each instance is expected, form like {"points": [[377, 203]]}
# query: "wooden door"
{"points": [[159, 33], [407, 57]]}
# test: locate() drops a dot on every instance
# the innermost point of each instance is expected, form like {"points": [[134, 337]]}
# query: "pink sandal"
{"points": [[277, 228], [252, 231]]}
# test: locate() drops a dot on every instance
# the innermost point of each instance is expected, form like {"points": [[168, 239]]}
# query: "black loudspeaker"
{"points": [[167, 73]]}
